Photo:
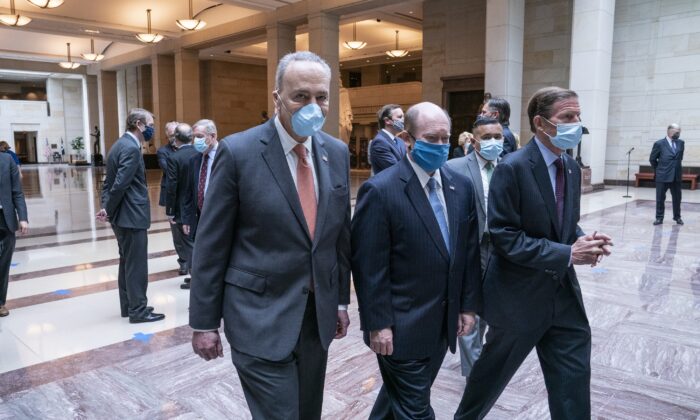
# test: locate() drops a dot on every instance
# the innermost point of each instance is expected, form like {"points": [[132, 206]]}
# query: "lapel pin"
{"points": [[325, 158], [452, 187], [569, 171]]}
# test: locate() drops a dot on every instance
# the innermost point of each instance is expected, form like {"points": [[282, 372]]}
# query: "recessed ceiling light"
{"points": [[92, 31], [410, 12], [368, 61]]}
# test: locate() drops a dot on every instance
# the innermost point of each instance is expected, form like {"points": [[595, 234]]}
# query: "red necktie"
{"points": [[305, 188], [559, 191], [202, 182]]}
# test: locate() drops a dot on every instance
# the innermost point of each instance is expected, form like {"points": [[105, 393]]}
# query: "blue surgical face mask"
{"points": [[148, 133], [568, 135], [430, 156], [491, 149], [398, 125], [200, 144]]}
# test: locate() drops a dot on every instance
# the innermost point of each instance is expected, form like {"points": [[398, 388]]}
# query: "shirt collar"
{"points": [[548, 155], [668, 139], [391, 136], [212, 152], [482, 162], [287, 141], [423, 176], [138, 142]]}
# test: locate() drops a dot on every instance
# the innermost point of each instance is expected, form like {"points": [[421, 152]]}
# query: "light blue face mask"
{"points": [[200, 144], [568, 135], [491, 149], [307, 120], [430, 156]]}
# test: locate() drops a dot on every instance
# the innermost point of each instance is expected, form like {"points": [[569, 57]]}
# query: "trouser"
{"points": [[7, 248], [180, 247], [661, 188], [564, 350], [133, 270], [291, 388]]}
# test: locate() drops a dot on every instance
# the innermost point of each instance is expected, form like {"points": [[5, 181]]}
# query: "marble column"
{"points": [[93, 114], [187, 95], [591, 57], [163, 87], [281, 39], [505, 22], [108, 108], [324, 35]]}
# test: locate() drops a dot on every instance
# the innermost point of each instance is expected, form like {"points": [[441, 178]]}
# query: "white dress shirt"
{"points": [[288, 144], [423, 178], [485, 176], [670, 143]]}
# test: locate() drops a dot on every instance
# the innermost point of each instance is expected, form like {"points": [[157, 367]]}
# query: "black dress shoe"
{"points": [[679, 221], [185, 286], [148, 309], [182, 272], [658, 221], [188, 280], [150, 317]]}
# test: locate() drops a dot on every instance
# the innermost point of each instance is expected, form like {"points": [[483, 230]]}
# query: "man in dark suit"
{"points": [[163, 153], [386, 149], [126, 206], [665, 158], [532, 297], [487, 142], [205, 143], [272, 249], [499, 109], [415, 265], [13, 217], [178, 196]]}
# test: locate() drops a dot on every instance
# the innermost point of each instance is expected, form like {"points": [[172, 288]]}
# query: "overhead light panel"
{"points": [[46, 4], [397, 52], [92, 55], [70, 64], [13, 19], [354, 44], [191, 24], [149, 38]]}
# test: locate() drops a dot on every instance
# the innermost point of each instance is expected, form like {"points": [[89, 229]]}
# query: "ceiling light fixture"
{"points": [[354, 44], [69, 64], [149, 38], [13, 19], [92, 56], [191, 24], [397, 53], [46, 4]]}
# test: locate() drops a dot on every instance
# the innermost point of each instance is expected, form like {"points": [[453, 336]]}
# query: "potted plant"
{"points": [[78, 145]]}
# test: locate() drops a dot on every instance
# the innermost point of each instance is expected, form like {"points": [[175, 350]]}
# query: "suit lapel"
{"points": [[277, 162], [569, 192], [324, 183], [453, 210], [417, 197], [539, 170], [394, 145], [475, 172]]}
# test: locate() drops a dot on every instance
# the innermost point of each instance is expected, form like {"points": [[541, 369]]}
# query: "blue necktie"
{"points": [[438, 211]]}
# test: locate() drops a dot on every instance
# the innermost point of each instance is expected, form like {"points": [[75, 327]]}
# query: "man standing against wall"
{"points": [[665, 158]]}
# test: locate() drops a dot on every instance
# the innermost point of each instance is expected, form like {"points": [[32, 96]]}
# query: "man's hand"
{"points": [[587, 250], [101, 216], [207, 344], [171, 219], [465, 323], [186, 229], [382, 341], [23, 227], [341, 330], [607, 247]]}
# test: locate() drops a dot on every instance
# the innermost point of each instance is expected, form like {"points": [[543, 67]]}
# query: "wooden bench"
{"points": [[649, 176]]}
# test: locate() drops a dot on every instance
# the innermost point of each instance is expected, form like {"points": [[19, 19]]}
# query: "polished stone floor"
{"points": [[66, 353]]}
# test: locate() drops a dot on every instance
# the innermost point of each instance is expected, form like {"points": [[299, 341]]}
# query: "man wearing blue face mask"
{"points": [[386, 149], [532, 298], [272, 248], [478, 167], [415, 264]]}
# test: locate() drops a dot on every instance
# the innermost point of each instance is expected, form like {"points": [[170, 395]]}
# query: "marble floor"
{"points": [[66, 353]]}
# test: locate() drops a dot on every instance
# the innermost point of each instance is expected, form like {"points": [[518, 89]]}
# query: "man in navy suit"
{"points": [[665, 158], [386, 149], [532, 297], [415, 264]]}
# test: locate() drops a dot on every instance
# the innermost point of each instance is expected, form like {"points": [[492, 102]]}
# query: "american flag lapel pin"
{"points": [[325, 158], [452, 187], [569, 171]]}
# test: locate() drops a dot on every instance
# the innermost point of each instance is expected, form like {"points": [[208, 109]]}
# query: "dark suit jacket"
{"points": [[666, 162], [11, 195], [531, 251], [191, 215], [253, 257], [125, 192], [404, 276], [162, 154], [384, 152], [178, 195], [509, 143]]}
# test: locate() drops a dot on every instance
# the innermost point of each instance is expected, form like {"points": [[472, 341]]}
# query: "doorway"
{"points": [[25, 146], [462, 98]]}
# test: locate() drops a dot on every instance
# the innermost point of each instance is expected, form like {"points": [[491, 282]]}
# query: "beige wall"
{"points": [[233, 95], [367, 100]]}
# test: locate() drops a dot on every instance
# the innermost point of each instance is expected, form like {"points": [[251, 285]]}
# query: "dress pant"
{"points": [[564, 349], [7, 248], [470, 346], [405, 393], [661, 188], [291, 388], [180, 247], [133, 270]]}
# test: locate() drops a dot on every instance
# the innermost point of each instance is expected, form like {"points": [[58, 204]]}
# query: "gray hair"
{"points": [[208, 126], [298, 56], [171, 125], [183, 133], [413, 114], [135, 116], [672, 126]]}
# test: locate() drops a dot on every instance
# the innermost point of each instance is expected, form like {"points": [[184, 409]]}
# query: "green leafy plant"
{"points": [[77, 144]]}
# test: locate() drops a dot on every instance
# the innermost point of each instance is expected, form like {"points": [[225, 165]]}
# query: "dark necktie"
{"points": [[673, 142], [305, 188], [438, 211], [559, 190], [489, 171], [202, 182]]}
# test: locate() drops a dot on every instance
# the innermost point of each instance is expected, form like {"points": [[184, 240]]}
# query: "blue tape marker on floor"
{"points": [[144, 338], [62, 292], [14, 264], [600, 270]]}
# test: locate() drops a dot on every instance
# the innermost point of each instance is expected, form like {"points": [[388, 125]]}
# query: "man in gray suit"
{"points": [[271, 255], [478, 167], [126, 206], [13, 208]]}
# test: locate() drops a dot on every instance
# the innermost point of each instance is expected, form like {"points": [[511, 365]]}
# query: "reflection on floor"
{"points": [[65, 352]]}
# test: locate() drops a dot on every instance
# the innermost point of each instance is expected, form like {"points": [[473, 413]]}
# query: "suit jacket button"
{"points": [[305, 290]]}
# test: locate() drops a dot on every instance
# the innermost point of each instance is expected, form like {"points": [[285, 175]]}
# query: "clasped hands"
{"points": [[101, 216], [590, 249]]}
